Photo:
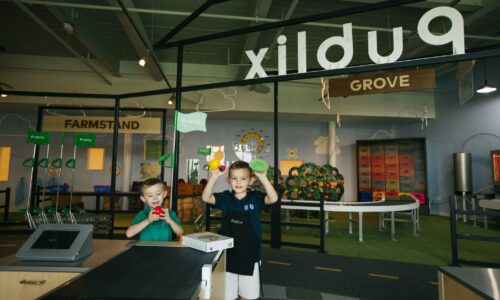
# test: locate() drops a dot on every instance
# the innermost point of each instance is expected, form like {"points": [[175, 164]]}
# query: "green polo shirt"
{"points": [[157, 230]]}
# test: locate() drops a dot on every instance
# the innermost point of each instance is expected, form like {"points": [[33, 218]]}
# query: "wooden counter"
{"points": [[48, 280], [29, 280]]}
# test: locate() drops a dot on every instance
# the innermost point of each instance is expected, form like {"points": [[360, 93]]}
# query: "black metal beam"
{"points": [[101, 108], [145, 42], [276, 208], [59, 95], [350, 70], [148, 93], [113, 166], [187, 20], [178, 103], [289, 22], [163, 134]]}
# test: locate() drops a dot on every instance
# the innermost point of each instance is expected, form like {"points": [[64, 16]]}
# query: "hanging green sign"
{"points": [[191, 122], [39, 138], [204, 151], [85, 140]]}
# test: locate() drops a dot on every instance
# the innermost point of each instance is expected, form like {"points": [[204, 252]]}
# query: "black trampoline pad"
{"points": [[141, 273]]}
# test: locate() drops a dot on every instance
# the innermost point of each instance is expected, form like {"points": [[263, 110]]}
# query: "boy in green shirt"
{"points": [[154, 224]]}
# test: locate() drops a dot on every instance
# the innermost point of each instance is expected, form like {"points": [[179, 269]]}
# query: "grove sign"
{"points": [[387, 82], [455, 36]]}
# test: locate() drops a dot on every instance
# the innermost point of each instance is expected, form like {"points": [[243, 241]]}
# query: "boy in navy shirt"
{"points": [[241, 220]]}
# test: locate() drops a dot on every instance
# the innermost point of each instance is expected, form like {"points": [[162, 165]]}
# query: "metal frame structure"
{"points": [[455, 236], [116, 111], [6, 204], [477, 53]]}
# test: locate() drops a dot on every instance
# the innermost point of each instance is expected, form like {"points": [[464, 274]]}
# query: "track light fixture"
{"points": [[143, 60], [485, 88], [171, 99]]}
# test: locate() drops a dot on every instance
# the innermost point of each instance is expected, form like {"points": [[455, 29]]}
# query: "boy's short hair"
{"points": [[240, 165], [150, 182]]}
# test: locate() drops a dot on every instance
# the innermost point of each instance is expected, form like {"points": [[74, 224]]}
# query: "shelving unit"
{"points": [[392, 169]]}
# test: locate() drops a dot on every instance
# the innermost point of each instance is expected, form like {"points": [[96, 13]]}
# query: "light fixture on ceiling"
{"points": [[485, 88], [171, 100], [142, 62], [4, 95]]}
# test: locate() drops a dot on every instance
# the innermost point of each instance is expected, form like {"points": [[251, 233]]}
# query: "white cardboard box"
{"points": [[207, 241]]}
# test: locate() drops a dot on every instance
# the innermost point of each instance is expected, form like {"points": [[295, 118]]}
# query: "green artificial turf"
{"points": [[431, 246]]}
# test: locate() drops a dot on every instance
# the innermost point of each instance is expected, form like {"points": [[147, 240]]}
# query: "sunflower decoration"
{"points": [[311, 182]]}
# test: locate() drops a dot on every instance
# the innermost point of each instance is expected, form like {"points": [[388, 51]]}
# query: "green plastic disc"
{"points": [[259, 165]]}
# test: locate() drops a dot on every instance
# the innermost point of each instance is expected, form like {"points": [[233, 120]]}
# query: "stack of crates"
{"points": [[378, 167], [394, 169], [406, 167], [364, 173], [391, 171]]}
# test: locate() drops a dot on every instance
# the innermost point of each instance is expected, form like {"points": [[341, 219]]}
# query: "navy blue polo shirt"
{"points": [[253, 203]]}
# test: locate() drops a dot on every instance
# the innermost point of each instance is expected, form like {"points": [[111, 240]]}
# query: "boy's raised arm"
{"points": [[208, 191], [271, 195]]}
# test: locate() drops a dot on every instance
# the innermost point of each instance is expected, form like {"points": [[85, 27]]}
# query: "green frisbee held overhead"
{"points": [[259, 165]]}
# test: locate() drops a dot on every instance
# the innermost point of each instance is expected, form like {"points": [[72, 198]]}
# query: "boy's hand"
{"points": [[166, 216], [217, 173], [152, 216]]}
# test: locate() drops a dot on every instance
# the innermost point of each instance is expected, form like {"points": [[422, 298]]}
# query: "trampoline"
{"points": [[382, 207]]}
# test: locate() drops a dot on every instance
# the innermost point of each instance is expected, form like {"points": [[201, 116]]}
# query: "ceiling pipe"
{"points": [[145, 42], [228, 17], [214, 16], [61, 41]]}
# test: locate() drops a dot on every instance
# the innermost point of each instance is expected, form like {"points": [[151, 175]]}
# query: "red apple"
{"points": [[157, 210]]}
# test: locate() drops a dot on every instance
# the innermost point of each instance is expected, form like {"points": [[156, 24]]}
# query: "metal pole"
{"points": [[58, 216], [276, 208], [42, 212], [175, 166], [163, 133], [322, 225], [453, 229], [72, 187], [113, 166]]}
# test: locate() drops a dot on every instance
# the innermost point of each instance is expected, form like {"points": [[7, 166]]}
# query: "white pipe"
{"points": [[127, 167], [332, 143]]}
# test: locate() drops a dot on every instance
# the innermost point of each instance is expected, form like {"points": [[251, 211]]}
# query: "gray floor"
{"points": [[272, 292]]}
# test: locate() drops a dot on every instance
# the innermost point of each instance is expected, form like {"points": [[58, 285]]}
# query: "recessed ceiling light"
{"points": [[142, 62]]}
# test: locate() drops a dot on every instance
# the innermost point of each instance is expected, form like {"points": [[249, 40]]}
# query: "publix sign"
{"points": [[455, 36]]}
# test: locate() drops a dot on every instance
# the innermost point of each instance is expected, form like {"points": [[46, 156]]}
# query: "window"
{"points": [[4, 163], [95, 159]]}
